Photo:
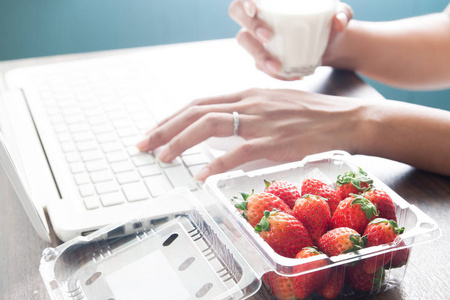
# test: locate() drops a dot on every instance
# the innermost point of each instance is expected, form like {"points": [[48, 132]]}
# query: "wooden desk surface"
{"points": [[428, 270]]}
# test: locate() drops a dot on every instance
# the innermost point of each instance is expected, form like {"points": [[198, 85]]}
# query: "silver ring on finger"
{"points": [[235, 123]]}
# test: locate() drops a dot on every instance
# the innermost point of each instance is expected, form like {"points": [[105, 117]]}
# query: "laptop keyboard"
{"points": [[98, 116]]}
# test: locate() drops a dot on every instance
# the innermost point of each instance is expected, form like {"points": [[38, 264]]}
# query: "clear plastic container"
{"points": [[208, 250]]}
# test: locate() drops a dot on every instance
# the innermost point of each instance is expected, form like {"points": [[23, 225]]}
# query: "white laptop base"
{"points": [[74, 126]]}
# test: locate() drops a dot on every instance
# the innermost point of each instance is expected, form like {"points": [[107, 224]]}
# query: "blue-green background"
{"points": [[31, 28]]}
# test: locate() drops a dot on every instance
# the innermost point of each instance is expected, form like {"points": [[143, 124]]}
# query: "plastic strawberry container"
{"points": [[206, 249]]}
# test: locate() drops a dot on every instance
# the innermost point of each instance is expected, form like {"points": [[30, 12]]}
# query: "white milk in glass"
{"points": [[301, 30]]}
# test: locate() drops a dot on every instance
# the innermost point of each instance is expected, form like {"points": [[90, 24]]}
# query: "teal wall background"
{"points": [[30, 28]]}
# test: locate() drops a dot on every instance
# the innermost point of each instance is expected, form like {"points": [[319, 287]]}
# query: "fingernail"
{"points": [[162, 156], [343, 19], [273, 67], [249, 9], [202, 174], [263, 34], [143, 145]]}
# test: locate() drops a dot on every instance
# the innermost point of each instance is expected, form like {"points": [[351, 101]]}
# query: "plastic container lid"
{"points": [[206, 250]]}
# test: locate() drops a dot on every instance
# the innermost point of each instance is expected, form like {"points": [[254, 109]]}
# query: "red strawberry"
{"points": [[254, 205], [401, 256], [379, 231], [353, 183], [284, 233], [341, 240], [314, 213], [306, 284], [317, 187], [360, 280], [284, 190], [354, 212], [384, 203], [333, 284], [282, 287]]}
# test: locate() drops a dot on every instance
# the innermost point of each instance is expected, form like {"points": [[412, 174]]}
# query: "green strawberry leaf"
{"points": [[366, 205], [358, 243], [378, 278], [245, 195], [242, 205], [396, 228], [355, 179]]}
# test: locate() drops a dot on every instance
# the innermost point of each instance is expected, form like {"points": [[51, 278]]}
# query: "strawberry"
{"points": [[306, 284], [284, 233], [333, 284], [354, 212], [401, 256], [360, 280], [282, 287], [284, 190], [341, 240], [314, 213], [353, 183], [254, 205], [384, 203], [379, 231], [317, 187]]}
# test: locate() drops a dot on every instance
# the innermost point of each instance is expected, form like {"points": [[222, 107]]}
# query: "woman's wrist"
{"points": [[345, 51]]}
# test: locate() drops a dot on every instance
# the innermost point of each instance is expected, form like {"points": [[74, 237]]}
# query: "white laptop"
{"points": [[69, 129]]}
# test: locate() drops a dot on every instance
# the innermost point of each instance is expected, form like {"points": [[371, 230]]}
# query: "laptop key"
{"points": [[68, 147], [116, 156], [127, 177], [81, 178], [96, 165], [112, 146], [122, 166], [106, 187], [100, 176], [76, 167], [180, 177], [72, 157], [91, 155], [87, 145], [195, 159], [149, 170], [157, 185], [135, 191], [143, 159], [112, 198], [82, 136], [86, 190], [92, 202], [196, 168]]}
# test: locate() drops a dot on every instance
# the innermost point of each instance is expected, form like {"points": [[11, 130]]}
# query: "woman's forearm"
{"points": [[412, 53], [413, 134]]}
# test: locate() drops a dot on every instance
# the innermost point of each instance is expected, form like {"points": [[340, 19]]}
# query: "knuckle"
{"points": [[211, 120], [252, 92], [242, 36], [218, 165], [174, 146], [248, 149], [261, 54], [156, 136], [192, 113]]}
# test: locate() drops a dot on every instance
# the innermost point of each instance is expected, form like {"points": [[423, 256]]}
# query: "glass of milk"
{"points": [[301, 30]]}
